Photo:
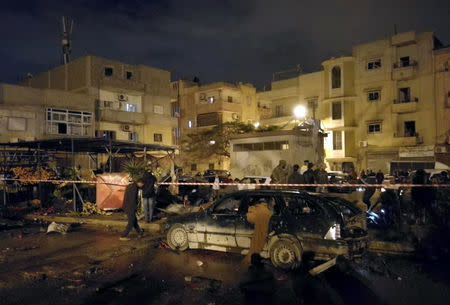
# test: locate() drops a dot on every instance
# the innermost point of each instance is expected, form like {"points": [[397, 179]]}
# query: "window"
{"points": [[279, 145], [157, 137], [374, 64], [374, 128], [208, 119], [129, 74], [336, 77], [132, 136], [190, 124], [404, 95], [109, 71], [373, 96], [176, 135], [230, 99], [279, 111], [175, 110], [68, 122], [158, 109], [229, 205], [337, 140], [410, 129], [211, 166], [298, 206], [193, 167], [211, 99], [336, 110], [17, 124], [130, 108], [108, 134], [404, 61]]}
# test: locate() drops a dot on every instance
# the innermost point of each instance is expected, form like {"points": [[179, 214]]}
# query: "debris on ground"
{"points": [[203, 283], [58, 228], [90, 208]]}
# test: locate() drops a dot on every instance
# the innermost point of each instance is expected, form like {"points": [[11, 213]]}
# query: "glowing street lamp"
{"points": [[212, 142], [299, 112], [256, 124]]}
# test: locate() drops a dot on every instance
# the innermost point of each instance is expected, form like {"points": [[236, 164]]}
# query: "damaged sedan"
{"points": [[301, 224]]}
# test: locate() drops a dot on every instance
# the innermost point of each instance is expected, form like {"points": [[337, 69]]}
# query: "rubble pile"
{"points": [[90, 208]]}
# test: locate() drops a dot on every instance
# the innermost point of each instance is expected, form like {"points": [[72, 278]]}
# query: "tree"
{"points": [[216, 141]]}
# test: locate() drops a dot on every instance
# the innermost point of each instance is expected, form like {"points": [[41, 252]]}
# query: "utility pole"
{"points": [[67, 27]]}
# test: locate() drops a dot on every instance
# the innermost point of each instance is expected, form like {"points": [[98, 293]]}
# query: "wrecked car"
{"points": [[301, 224]]}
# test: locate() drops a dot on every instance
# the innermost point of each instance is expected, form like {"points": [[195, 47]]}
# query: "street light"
{"points": [[256, 124], [300, 112], [212, 142]]}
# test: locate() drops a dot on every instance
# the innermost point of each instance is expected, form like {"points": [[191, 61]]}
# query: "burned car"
{"points": [[301, 223]]}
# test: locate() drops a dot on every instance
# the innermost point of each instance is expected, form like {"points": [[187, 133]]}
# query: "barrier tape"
{"points": [[241, 184]]}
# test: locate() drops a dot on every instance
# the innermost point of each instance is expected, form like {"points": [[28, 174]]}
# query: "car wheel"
{"points": [[284, 254], [177, 238]]}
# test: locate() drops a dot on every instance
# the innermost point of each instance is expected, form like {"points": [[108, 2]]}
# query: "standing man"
{"points": [[295, 177], [148, 195], [304, 167], [379, 176], [129, 206], [310, 177], [280, 173]]}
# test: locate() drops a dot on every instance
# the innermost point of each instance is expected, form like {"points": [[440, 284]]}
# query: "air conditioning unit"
{"points": [[122, 97], [126, 128], [363, 144], [235, 116]]}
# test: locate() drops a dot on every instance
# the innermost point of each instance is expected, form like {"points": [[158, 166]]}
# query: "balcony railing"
{"points": [[405, 64], [407, 100]]}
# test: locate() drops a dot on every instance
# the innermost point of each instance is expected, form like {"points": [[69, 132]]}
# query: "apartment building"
{"points": [[201, 107], [131, 102], [377, 106], [27, 114]]}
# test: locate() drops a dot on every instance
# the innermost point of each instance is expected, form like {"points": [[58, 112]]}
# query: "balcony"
{"points": [[219, 106], [406, 140], [405, 106], [118, 116], [404, 70]]}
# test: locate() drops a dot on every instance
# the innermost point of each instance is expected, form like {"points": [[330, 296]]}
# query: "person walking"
{"points": [[129, 206], [148, 195]]}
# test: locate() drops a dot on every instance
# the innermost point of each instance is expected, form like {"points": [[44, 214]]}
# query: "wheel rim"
{"points": [[179, 237], [285, 255]]}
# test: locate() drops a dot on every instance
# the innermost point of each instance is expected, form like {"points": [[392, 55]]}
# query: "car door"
{"points": [[244, 229], [219, 223], [304, 216]]}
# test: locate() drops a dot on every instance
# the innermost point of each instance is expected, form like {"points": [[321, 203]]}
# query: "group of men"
{"points": [[307, 174]]}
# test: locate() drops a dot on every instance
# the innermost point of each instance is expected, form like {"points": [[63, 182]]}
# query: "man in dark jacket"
{"points": [[148, 195], [380, 177], [129, 206], [295, 177], [310, 177]]}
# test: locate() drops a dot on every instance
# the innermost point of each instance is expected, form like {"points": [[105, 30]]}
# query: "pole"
{"points": [[39, 165], [74, 194]]}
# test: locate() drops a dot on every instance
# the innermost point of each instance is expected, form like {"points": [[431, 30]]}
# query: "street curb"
{"points": [[148, 227], [390, 247]]}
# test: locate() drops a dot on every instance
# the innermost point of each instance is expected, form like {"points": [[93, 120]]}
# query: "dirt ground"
{"points": [[90, 266]]}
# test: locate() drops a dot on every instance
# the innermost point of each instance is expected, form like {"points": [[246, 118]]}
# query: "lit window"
{"points": [[211, 99], [130, 108], [158, 109], [337, 140], [190, 124], [157, 137], [132, 136], [374, 128], [373, 96], [374, 64]]}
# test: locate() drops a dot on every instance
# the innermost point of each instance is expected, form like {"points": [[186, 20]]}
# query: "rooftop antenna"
{"points": [[67, 27]]}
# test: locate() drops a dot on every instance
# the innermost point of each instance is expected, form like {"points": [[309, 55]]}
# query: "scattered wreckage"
{"points": [[300, 224]]}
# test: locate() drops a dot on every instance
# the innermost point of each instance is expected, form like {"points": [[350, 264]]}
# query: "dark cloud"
{"points": [[217, 40]]}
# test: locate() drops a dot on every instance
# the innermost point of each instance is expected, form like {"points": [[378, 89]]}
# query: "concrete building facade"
{"points": [[131, 102], [201, 107], [377, 106]]}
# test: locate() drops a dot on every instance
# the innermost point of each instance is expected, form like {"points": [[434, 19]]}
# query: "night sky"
{"points": [[215, 40]]}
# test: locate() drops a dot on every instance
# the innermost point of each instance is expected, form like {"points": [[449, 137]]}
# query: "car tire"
{"points": [[284, 254], [177, 237]]}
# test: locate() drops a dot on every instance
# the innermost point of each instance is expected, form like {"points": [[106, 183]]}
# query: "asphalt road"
{"points": [[89, 266]]}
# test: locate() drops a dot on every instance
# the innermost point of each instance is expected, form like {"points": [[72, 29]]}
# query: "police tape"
{"points": [[345, 185]]}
